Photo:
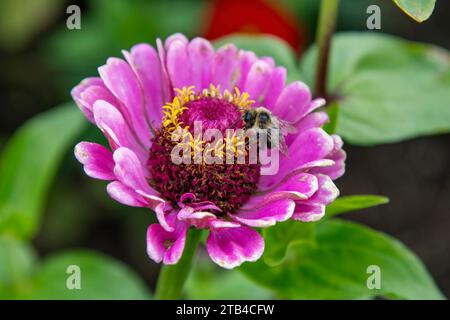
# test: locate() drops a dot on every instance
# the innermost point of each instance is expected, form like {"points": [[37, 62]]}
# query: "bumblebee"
{"points": [[261, 119]]}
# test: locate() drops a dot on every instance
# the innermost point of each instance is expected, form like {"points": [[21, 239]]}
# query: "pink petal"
{"points": [[129, 171], [308, 150], [276, 86], [226, 71], [246, 60], [230, 247], [258, 80], [93, 93], [313, 209], [269, 60], [308, 212], [273, 181], [145, 62], [312, 120], [96, 159], [161, 214], [220, 223], [165, 75], [76, 92], [201, 58], [175, 37], [125, 195], [293, 102], [300, 186], [338, 155], [327, 191], [199, 219], [120, 79], [311, 145], [112, 124], [276, 211], [178, 66], [164, 246]]}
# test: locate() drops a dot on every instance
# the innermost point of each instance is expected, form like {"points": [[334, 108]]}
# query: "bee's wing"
{"points": [[286, 127], [282, 146]]}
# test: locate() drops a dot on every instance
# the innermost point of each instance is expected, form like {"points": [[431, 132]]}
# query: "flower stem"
{"points": [[172, 277], [325, 29]]}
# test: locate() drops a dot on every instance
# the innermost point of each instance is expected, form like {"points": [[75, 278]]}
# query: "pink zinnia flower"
{"points": [[138, 101]]}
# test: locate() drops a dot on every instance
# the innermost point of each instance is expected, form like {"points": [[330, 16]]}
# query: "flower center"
{"points": [[213, 113], [228, 186]]}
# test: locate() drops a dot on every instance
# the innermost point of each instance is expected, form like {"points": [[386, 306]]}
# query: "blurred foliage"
{"points": [[419, 10], [353, 203], [111, 26], [101, 277], [209, 281], [17, 260], [27, 167], [22, 276], [387, 89], [285, 238], [21, 20], [333, 264]]}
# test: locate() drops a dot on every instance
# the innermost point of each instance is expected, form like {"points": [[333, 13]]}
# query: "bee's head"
{"points": [[249, 118], [263, 118]]}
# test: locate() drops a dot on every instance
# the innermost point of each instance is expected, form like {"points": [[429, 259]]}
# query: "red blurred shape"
{"points": [[253, 16]]}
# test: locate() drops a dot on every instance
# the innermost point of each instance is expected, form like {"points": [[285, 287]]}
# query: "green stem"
{"points": [[172, 278], [325, 30]]}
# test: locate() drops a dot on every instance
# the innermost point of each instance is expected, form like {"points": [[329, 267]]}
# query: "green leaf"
{"points": [[17, 260], [387, 89], [25, 20], [284, 238], [101, 277], [265, 45], [335, 267], [29, 163], [353, 203], [419, 10], [209, 282]]}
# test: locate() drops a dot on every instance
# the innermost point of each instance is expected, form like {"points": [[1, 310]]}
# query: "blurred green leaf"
{"points": [[335, 267], [419, 10], [17, 260], [25, 19], [387, 89], [111, 26], [353, 203], [333, 113], [28, 164], [284, 238], [210, 282], [266, 45], [101, 277]]}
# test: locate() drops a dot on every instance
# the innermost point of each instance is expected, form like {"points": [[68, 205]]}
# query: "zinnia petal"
{"points": [[130, 172], [293, 102], [125, 195], [226, 70], [96, 159], [113, 125], [201, 57], [166, 247], [144, 60], [120, 79], [276, 211], [230, 247]]}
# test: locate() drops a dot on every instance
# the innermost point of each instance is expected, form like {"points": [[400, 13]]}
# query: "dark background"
{"points": [[37, 73]]}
